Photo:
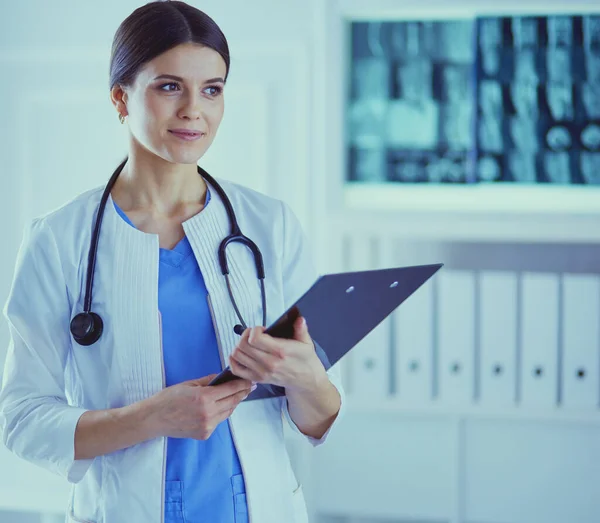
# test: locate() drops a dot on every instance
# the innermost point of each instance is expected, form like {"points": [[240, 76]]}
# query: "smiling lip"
{"points": [[185, 134]]}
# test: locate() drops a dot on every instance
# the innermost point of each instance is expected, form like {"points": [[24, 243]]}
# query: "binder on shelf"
{"points": [[539, 339], [498, 338], [414, 346], [580, 340], [456, 337]]}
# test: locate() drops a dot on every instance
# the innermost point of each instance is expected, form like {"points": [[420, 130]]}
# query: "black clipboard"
{"points": [[340, 310]]}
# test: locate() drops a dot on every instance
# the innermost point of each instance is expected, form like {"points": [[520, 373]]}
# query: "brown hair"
{"points": [[154, 29]]}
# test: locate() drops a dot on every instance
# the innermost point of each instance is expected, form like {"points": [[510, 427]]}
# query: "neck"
{"points": [[158, 186]]}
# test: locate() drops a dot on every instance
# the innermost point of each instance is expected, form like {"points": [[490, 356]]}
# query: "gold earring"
{"points": [[121, 118]]}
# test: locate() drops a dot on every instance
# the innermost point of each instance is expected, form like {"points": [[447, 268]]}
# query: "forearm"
{"points": [[101, 432], [313, 410]]}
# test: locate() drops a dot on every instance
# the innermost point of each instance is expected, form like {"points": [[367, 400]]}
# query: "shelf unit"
{"points": [[387, 460]]}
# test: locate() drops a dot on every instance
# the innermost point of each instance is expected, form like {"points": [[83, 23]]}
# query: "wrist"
{"points": [[144, 419], [317, 382]]}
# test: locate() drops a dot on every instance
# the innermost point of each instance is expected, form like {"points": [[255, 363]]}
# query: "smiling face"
{"points": [[181, 89]]}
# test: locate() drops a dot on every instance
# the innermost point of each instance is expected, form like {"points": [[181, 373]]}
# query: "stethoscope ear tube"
{"points": [[240, 238]]}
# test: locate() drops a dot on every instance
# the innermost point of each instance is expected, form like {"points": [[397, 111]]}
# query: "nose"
{"points": [[191, 108]]}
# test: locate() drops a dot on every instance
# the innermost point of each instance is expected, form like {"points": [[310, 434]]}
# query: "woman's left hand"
{"points": [[293, 364]]}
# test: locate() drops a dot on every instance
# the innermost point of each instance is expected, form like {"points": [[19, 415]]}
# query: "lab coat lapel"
{"points": [[134, 309], [206, 231]]}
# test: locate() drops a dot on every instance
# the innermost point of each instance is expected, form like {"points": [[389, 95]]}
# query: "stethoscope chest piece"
{"points": [[86, 328]]}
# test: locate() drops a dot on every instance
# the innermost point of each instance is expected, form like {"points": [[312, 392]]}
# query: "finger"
{"points": [[231, 388], [259, 340], [224, 404], [222, 416], [244, 371], [257, 362], [245, 335], [257, 331], [301, 330], [202, 382]]}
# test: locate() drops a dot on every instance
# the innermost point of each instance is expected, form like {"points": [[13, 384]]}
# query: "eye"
{"points": [[214, 90], [162, 87]]}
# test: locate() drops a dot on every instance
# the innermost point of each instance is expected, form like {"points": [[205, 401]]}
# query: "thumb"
{"points": [[202, 382], [301, 330]]}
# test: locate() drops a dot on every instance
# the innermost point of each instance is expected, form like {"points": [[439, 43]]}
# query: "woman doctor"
{"points": [[107, 384]]}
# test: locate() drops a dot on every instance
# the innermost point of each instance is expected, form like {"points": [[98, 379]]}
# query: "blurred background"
{"points": [[401, 132]]}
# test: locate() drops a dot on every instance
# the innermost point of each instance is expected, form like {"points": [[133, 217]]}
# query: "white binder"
{"points": [[498, 338], [456, 336], [413, 347], [580, 340], [539, 339]]}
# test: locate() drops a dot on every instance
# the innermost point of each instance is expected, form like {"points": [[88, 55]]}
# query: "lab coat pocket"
{"points": [[240, 504], [71, 517], [174, 502], [77, 507]]}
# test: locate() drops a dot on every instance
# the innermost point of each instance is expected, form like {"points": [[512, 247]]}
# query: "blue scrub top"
{"points": [[204, 480]]}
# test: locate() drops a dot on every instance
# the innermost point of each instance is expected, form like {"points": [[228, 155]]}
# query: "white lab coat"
{"points": [[50, 381]]}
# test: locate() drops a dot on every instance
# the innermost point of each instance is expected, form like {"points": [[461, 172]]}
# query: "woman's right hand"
{"points": [[193, 409]]}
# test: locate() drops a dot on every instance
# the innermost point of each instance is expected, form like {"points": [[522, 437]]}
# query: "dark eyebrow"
{"points": [[179, 79]]}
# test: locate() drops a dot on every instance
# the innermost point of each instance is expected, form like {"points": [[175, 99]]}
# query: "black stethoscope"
{"points": [[87, 326]]}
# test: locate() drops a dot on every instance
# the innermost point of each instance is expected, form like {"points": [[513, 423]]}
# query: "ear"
{"points": [[118, 97]]}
